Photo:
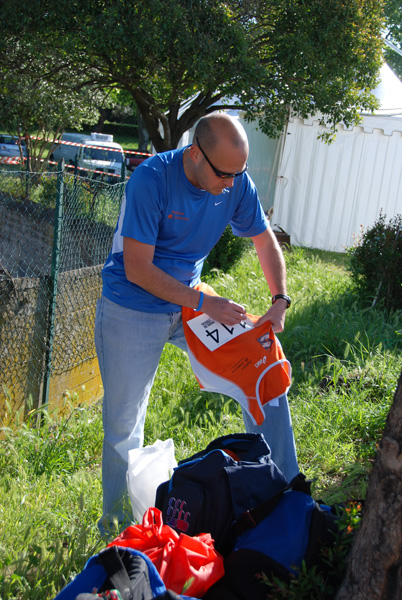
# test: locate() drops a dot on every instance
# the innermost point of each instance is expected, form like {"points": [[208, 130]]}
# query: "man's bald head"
{"points": [[217, 128], [218, 154]]}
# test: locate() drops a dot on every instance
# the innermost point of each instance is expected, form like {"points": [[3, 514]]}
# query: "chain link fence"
{"points": [[56, 231]]}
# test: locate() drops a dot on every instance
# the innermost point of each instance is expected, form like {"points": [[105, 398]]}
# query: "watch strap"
{"points": [[282, 297]]}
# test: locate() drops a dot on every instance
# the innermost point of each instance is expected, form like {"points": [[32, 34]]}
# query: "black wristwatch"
{"points": [[283, 297]]}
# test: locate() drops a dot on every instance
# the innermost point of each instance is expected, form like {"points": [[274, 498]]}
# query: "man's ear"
{"points": [[194, 153]]}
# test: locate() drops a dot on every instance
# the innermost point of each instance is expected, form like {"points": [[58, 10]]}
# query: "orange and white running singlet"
{"points": [[242, 361]]}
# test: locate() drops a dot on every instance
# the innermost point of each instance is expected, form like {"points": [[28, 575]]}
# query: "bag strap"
{"points": [[250, 518], [111, 560]]}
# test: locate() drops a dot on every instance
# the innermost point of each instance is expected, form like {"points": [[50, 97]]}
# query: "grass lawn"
{"points": [[345, 358]]}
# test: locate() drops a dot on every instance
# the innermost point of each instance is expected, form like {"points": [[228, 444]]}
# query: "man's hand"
{"points": [[223, 310], [276, 315]]}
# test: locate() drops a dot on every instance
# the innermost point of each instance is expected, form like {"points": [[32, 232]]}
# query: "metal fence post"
{"points": [[58, 221], [122, 180], [27, 171]]}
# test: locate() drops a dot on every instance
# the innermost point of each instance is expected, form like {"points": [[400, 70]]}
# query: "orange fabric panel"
{"points": [[251, 368]]}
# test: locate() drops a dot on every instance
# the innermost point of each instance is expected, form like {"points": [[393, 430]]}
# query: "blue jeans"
{"points": [[129, 345]]}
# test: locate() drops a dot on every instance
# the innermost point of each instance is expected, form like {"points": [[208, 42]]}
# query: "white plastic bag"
{"points": [[147, 468]]}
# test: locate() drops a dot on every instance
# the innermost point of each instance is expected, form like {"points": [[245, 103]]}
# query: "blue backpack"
{"points": [[130, 572], [209, 491], [260, 523], [274, 539]]}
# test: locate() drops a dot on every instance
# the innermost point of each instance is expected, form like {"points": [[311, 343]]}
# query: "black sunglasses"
{"points": [[218, 173]]}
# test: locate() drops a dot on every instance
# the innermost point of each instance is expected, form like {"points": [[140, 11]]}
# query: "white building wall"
{"points": [[325, 193]]}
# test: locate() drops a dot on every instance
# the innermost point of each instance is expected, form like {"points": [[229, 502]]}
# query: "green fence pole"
{"points": [[58, 221], [27, 171]]}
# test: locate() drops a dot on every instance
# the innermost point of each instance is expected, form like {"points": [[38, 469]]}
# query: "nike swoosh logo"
{"points": [[217, 203]]}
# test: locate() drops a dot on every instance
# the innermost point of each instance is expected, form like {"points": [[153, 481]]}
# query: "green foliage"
{"points": [[29, 103], [320, 56], [321, 47], [43, 191], [376, 263], [226, 252], [121, 129], [40, 90]]}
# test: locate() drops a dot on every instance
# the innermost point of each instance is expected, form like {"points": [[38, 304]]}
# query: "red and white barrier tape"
{"points": [[10, 160], [117, 175]]}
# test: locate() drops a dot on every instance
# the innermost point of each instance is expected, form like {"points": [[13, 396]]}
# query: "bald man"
{"points": [[176, 206]]}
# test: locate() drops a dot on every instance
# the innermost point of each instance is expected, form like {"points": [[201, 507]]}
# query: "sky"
{"points": [[389, 91]]}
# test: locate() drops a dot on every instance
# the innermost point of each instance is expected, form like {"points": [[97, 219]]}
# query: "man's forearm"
{"points": [[272, 262], [274, 268], [155, 281]]}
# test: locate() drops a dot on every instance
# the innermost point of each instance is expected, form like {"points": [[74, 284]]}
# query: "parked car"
{"points": [[10, 146], [99, 155], [135, 158], [96, 152], [64, 150]]}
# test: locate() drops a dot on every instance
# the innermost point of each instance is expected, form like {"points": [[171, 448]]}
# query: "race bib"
{"points": [[213, 334]]}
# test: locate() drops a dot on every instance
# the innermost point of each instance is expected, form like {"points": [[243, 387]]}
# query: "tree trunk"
{"points": [[374, 570], [166, 129], [143, 136]]}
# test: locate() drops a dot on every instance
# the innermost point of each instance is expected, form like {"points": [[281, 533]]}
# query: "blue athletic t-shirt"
{"points": [[162, 208]]}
